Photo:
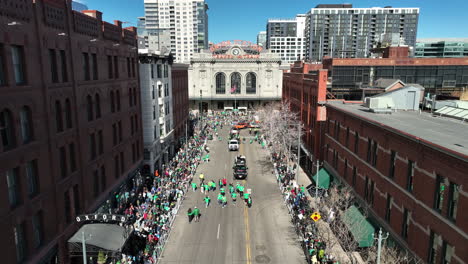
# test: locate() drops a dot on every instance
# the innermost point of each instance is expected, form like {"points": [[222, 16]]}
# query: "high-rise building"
{"points": [[341, 31], [69, 123], [441, 48], [286, 37], [261, 38], [178, 26], [79, 6]]}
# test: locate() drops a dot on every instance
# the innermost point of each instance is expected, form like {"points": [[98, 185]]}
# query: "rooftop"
{"points": [[443, 133]]}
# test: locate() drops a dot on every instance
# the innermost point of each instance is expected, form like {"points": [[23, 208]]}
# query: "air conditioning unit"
{"points": [[379, 103]]}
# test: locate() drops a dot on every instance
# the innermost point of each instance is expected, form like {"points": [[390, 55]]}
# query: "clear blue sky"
{"points": [[243, 19]]}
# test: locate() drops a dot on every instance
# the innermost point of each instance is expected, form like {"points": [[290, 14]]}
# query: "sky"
{"points": [[243, 19]]}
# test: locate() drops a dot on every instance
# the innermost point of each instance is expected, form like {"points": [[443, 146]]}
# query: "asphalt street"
{"points": [[236, 233]]}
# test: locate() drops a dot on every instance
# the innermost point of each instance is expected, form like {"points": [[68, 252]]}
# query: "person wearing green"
{"points": [[234, 197], [196, 214], [194, 186], [207, 201], [206, 188], [231, 188], [224, 201], [241, 190], [246, 196], [223, 192], [220, 198]]}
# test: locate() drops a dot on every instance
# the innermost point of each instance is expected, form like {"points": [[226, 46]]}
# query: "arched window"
{"points": [[220, 83], [235, 83], [97, 105], [251, 83], [26, 124], [89, 107], [68, 114], [112, 104], [58, 116], [7, 131]]}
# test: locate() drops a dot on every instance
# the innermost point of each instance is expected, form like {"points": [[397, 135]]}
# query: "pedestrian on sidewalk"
{"points": [[196, 213], [207, 201], [190, 215]]}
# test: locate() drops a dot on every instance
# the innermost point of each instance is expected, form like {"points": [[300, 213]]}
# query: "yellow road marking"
{"points": [[246, 221]]}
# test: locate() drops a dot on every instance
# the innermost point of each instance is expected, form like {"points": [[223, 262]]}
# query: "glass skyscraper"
{"points": [[435, 48]]}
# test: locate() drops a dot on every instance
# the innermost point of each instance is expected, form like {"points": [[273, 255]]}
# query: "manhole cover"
{"points": [[260, 247], [262, 259]]}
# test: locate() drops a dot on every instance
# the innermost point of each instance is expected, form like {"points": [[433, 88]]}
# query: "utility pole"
{"points": [[83, 244], [379, 244]]}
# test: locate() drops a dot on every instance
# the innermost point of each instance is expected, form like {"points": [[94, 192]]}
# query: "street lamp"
{"points": [[379, 244]]}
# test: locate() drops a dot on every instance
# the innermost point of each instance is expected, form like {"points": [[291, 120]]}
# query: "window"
{"points": [[354, 176], [100, 143], [32, 178], [71, 149], [20, 243], [347, 137], [116, 67], [391, 172], [251, 83], [68, 114], [120, 131], [97, 105], [26, 124], [17, 54], [152, 71], [133, 67], [152, 92], [388, 208], [166, 90], [58, 116], [158, 71], [114, 134], [345, 170], [235, 83], [129, 74], [110, 72], [103, 178], [96, 183], [159, 90], [92, 146], [53, 65], [135, 97], [432, 257], [405, 224], [154, 112], [76, 199], [337, 131], [454, 193], [122, 162], [116, 167], [7, 131], [117, 95], [447, 252], [112, 104], [63, 60], [37, 224], [63, 162], [89, 107], [3, 80], [14, 189], [410, 176], [131, 125], [356, 143], [94, 66], [86, 66], [66, 200], [166, 71], [439, 193], [130, 99]]}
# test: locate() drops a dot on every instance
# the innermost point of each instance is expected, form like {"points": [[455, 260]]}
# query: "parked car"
{"points": [[233, 145], [240, 171]]}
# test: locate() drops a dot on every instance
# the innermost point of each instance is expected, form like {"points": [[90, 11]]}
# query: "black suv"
{"points": [[240, 172]]}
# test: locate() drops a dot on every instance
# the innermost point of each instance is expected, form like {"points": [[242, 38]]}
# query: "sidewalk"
{"points": [[323, 227]]}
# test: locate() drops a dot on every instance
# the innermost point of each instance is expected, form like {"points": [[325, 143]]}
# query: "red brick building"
{"points": [[305, 87], [69, 122], [410, 169], [180, 100]]}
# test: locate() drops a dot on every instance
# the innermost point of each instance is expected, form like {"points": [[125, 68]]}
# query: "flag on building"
{"points": [[234, 88]]}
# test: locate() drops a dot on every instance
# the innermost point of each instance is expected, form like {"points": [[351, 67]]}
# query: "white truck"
{"points": [[233, 145]]}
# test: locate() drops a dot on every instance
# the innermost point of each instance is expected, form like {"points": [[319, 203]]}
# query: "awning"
{"points": [[324, 179], [362, 230], [108, 237]]}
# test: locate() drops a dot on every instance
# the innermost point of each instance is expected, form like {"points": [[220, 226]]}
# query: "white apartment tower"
{"points": [[286, 37], [184, 22]]}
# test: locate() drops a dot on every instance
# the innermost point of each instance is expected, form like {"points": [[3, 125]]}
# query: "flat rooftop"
{"points": [[439, 132]]}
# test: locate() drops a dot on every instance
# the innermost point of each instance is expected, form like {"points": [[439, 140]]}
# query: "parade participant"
{"points": [[202, 177], [207, 201], [234, 197], [196, 213], [224, 201], [246, 197], [224, 180], [241, 190], [220, 198], [190, 215], [222, 191], [231, 188], [194, 186]]}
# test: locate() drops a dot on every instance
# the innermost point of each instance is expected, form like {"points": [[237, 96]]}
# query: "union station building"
{"points": [[234, 75]]}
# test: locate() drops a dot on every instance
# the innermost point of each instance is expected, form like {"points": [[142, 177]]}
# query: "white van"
{"points": [[233, 144]]}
